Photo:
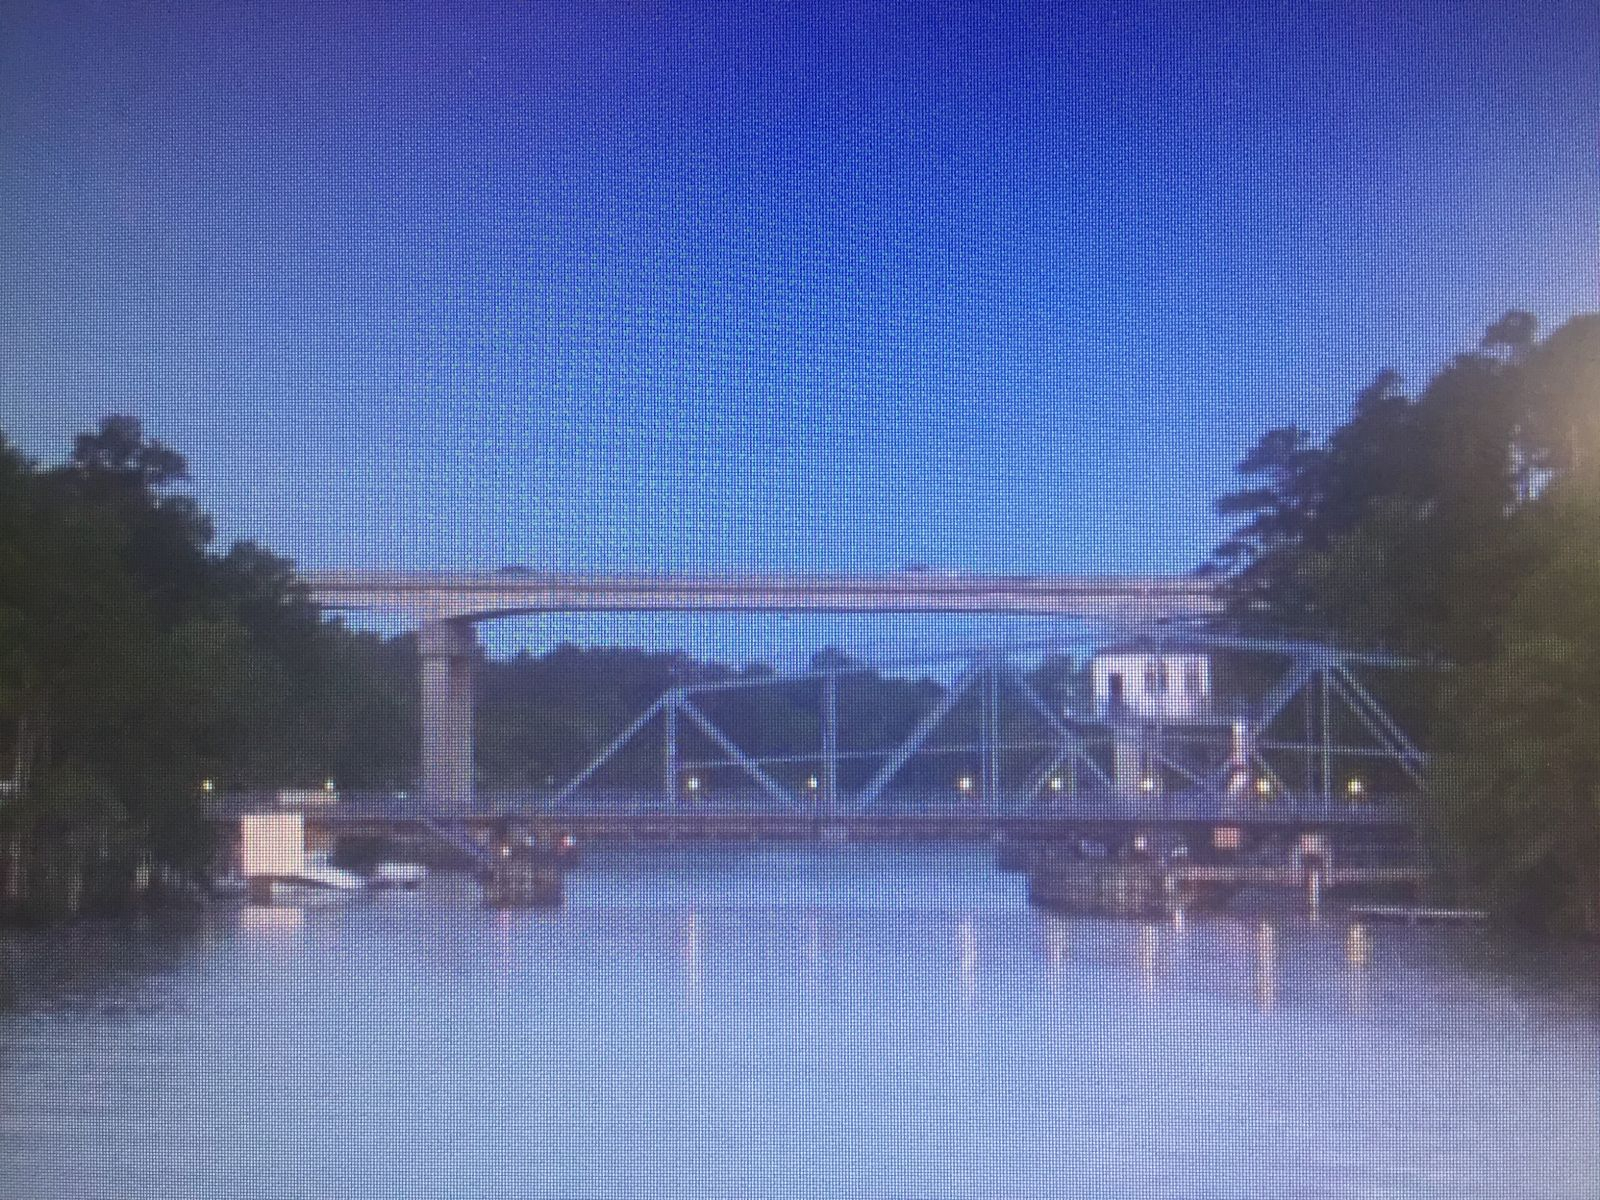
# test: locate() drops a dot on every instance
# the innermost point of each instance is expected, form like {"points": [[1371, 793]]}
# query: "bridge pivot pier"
{"points": [[448, 651]]}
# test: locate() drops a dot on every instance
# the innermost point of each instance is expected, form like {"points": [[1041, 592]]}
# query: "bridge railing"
{"points": [[1198, 806]]}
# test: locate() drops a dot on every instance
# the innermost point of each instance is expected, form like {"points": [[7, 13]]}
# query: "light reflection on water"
{"points": [[1057, 946], [790, 1023], [1146, 947], [1358, 954], [967, 939], [693, 968], [1266, 965]]}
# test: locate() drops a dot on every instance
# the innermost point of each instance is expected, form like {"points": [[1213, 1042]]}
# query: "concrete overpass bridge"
{"points": [[445, 607]]}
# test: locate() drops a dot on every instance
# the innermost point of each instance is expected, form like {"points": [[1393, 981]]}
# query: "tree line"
{"points": [[138, 661], [1459, 524]]}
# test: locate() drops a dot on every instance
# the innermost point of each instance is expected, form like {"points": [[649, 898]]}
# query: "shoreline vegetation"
{"points": [[1458, 525]]}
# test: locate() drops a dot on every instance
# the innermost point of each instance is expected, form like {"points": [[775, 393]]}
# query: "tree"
{"points": [[1460, 526], [135, 661], [1517, 779]]}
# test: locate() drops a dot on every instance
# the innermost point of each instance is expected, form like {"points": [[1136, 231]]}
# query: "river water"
{"points": [[807, 1023]]}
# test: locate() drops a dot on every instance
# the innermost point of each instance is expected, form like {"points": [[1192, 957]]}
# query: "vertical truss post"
{"points": [[1310, 707], [1327, 748], [669, 747], [830, 743], [991, 741]]}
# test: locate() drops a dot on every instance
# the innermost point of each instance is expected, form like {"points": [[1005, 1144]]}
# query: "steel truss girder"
{"points": [[1309, 663], [1367, 709]]}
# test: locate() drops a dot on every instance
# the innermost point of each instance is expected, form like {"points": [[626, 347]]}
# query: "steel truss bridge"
{"points": [[1316, 747]]}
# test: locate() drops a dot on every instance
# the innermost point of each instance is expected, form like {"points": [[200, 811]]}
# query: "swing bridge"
{"points": [[1316, 747]]}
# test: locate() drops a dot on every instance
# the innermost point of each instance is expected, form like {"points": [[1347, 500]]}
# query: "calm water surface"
{"points": [[859, 1023]]}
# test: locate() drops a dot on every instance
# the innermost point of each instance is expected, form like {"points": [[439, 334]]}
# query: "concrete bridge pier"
{"points": [[447, 650]]}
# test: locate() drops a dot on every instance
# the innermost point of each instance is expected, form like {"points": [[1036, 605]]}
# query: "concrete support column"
{"points": [[447, 650]]}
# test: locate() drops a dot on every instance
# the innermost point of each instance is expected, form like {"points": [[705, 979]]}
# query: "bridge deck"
{"points": [[428, 595], [764, 817]]}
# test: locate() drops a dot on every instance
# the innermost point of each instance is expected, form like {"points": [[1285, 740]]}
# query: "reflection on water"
{"points": [[967, 943], [790, 1023], [1266, 966], [264, 921], [1357, 953], [1056, 943], [694, 977], [1146, 945]]}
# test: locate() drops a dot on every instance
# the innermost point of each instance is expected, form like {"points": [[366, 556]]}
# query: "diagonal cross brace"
{"points": [[617, 743], [1305, 668], [1072, 743], [726, 744], [1389, 735]]}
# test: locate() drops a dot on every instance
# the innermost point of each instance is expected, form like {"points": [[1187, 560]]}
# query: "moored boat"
{"points": [[398, 875]]}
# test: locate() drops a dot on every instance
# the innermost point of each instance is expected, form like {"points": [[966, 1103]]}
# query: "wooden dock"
{"points": [[1148, 888], [1413, 914]]}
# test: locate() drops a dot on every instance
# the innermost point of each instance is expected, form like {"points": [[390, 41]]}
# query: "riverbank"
{"points": [[48, 878]]}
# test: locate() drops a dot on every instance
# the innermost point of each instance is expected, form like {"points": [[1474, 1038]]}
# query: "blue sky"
{"points": [[589, 285]]}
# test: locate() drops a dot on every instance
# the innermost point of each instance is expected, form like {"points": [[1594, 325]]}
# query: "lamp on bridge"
{"points": [[692, 783], [1355, 788], [208, 786], [964, 784], [813, 783], [1264, 788]]}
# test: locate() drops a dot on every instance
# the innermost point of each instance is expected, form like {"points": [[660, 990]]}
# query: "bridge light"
{"points": [[1147, 784], [1055, 783], [1355, 787], [327, 785], [1263, 787], [813, 783], [693, 783], [208, 786], [964, 783]]}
